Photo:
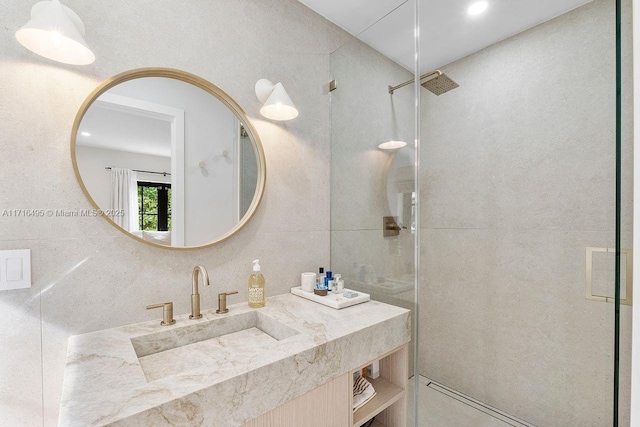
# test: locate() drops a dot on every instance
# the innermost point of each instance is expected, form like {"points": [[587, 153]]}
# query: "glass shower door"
{"points": [[518, 217]]}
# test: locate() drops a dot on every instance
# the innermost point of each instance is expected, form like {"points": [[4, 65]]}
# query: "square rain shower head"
{"points": [[440, 84]]}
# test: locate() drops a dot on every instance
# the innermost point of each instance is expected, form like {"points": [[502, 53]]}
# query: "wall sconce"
{"points": [[56, 32], [392, 145], [276, 102]]}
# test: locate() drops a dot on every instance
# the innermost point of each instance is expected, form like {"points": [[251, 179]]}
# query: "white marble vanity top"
{"points": [[231, 367]]}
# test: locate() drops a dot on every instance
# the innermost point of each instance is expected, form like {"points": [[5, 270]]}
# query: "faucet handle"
{"points": [[167, 312], [222, 302]]}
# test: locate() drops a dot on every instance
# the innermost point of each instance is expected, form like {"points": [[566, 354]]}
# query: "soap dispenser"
{"points": [[256, 287]]}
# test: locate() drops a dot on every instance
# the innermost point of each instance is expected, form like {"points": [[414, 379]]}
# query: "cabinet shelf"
{"points": [[387, 393], [389, 405]]}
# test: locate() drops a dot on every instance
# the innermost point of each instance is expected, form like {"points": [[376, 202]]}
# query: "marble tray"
{"points": [[332, 300]]}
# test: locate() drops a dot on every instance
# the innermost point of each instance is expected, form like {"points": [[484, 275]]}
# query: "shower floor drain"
{"points": [[482, 407]]}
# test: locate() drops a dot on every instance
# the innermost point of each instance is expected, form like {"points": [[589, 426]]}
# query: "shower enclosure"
{"points": [[511, 238]]}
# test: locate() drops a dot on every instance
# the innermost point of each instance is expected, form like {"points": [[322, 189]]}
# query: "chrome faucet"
{"points": [[195, 296]]}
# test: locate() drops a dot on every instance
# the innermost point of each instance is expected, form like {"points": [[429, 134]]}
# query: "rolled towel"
{"points": [[362, 392]]}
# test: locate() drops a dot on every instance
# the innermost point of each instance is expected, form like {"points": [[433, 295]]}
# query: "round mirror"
{"points": [[168, 158]]}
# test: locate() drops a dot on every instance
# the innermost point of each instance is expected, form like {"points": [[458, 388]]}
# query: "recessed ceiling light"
{"points": [[478, 7], [85, 134], [392, 145]]}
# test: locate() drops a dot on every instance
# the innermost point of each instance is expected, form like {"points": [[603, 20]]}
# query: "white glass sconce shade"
{"points": [[276, 102], [392, 145], [57, 33]]}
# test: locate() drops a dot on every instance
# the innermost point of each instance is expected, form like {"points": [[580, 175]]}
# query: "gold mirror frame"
{"points": [[207, 87]]}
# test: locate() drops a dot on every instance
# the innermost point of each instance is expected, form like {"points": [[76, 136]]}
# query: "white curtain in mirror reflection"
{"points": [[124, 198]]}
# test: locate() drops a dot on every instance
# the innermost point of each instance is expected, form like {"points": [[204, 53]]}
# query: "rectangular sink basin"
{"points": [[205, 346]]}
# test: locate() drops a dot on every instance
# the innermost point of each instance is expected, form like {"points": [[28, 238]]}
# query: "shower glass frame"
{"points": [[618, 266], [417, 234]]}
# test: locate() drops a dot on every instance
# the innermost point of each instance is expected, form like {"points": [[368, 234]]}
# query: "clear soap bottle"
{"points": [[256, 287]]}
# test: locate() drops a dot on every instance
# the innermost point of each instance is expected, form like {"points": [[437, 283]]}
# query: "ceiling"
{"points": [[134, 133], [448, 32]]}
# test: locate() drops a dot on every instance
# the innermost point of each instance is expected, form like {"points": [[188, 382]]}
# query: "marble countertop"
{"points": [[132, 375]]}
